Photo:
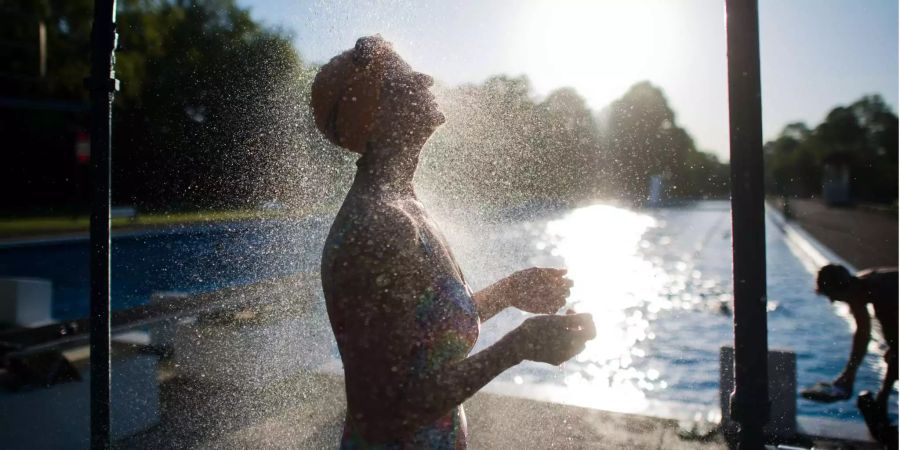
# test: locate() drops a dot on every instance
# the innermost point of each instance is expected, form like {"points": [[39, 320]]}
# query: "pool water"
{"points": [[657, 281], [187, 259]]}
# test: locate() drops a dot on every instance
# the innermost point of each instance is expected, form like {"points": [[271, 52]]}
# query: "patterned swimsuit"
{"points": [[447, 325]]}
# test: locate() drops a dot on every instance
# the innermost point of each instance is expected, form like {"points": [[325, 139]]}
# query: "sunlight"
{"points": [[600, 246], [599, 47]]}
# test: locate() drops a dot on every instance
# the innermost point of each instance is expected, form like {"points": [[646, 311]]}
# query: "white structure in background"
{"points": [[782, 392], [25, 302], [58, 416], [161, 335], [836, 179], [654, 199]]}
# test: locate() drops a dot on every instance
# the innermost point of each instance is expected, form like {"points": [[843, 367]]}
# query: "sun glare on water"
{"points": [[600, 245]]}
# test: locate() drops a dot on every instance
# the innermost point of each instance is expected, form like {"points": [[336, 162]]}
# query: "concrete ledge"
{"points": [[782, 370], [832, 429]]}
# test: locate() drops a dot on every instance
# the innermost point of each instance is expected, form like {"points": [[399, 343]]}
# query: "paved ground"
{"points": [[306, 412], [863, 237], [196, 415]]}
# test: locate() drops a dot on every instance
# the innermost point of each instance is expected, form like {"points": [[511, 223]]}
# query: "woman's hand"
{"points": [[537, 290], [552, 339]]}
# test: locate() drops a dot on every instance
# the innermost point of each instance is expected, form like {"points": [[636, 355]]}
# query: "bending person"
{"points": [[402, 314], [879, 288]]}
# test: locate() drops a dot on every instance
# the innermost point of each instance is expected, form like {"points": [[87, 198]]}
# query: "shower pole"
{"points": [[750, 399], [102, 85]]}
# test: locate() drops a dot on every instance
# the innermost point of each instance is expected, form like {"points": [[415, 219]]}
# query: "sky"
{"points": [[815, 54]]}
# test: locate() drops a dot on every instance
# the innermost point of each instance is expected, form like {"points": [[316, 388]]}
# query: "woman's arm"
{"points": [[547, 339], [491, 300], [535, 290]]}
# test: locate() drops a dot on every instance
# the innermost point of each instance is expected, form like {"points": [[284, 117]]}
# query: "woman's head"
{"points": [[368, 94]]}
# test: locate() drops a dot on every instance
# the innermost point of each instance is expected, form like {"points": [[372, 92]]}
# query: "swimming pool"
{"points": [[187, 259], [657, 281]]}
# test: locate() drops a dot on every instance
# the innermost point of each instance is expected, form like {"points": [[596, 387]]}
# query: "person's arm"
{"points": [[860, 345], [547, 339], [491, 300], [535, 290]]}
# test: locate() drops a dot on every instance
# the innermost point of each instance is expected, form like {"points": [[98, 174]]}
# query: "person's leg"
{"points": [[888, 434], [889, 378]]}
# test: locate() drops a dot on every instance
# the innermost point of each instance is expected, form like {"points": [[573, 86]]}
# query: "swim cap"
{"points": [[346, 91], [832, 279]]}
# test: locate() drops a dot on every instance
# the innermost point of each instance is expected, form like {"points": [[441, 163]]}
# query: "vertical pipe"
{"points": [[42, 49], [102, 85], [750, 399]]}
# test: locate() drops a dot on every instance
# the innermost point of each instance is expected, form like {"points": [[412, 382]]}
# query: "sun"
{"points": [[599, 47]]}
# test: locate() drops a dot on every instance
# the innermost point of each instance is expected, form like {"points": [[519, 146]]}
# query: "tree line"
{"points": [[862, 136], [504, 148], [213, 114]]}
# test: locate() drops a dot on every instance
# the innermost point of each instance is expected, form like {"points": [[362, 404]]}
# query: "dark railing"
{"points": [[750, 399], [102, 85]]}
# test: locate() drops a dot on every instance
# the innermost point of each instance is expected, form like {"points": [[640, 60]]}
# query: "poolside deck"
{"points": [[307, 411], [862, 236]]}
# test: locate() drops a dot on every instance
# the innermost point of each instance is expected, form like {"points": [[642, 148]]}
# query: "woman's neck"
{"points": [[387, 170]]}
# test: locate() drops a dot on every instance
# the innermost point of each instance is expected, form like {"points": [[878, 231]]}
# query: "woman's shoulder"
{"points": [[380, 221]]}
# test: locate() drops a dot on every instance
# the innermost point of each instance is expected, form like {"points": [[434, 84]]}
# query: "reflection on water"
{"points": [[600, 245], [658, 283]]}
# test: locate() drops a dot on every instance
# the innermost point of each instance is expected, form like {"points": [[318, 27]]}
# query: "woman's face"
{"points": [[408, 112]]}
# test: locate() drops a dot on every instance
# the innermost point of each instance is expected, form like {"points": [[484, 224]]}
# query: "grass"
{"points": [[56, 225]]}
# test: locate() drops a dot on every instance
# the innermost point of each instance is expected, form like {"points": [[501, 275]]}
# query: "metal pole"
{"points": [[750, 399], [102, 85]]}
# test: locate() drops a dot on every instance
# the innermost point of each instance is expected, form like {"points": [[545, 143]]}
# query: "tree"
{"points": [[792, 168], [501, 150], [644, 140], [43, 111], [215, 114], [483, 154], [212, 112], [67, 28], [571, 146], [864, 133]]}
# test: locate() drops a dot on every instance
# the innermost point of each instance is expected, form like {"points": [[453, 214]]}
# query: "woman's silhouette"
{"points": [[401, 311]]}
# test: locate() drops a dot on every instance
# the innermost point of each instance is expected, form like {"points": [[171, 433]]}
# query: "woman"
{"points": [[402, 314]]}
